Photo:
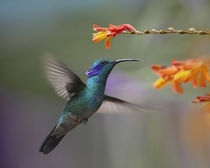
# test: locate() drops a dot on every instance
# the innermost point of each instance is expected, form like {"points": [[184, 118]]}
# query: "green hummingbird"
{"points": [[83, 100]]}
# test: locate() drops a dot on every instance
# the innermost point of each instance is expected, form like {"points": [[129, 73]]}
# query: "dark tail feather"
{"points": [[50, 143]]}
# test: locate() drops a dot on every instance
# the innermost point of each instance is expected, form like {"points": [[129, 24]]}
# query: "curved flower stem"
{"points": [[170, 30]]}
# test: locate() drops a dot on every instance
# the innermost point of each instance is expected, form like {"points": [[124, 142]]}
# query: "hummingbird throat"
{"points": [[94, 71]]}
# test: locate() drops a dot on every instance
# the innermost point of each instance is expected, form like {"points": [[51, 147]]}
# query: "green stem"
{"points": [[170, 30]]}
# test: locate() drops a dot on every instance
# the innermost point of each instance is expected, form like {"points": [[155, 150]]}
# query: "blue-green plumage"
{"points": [[82, 99]]}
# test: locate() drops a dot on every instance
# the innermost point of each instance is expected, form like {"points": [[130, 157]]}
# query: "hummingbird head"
{"points": [[104, 66]]}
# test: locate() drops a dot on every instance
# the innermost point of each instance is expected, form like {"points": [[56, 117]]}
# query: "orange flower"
{"points": [[111, 31], [202, 99], [205, 101], [195, 71]]}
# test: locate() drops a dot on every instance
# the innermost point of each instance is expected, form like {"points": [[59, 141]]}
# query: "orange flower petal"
{"points": [[195, 81], [178, 63], [161, 82], [176, 87], [203, 78], [112, 26], [107, 42], [164, 71], [181, 76], [97, 28], [99, 36]]}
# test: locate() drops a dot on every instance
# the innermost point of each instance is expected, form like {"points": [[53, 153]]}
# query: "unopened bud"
{"points": [[202, 32], [146, 32], [181, 31], [162, 32], [192, 29], [171, 29]]}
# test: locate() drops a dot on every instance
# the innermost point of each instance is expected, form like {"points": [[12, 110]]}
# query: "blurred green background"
{"points": [[29, 106]]}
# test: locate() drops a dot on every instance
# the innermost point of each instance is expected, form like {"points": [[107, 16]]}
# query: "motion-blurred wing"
{"points": [[115, 105], [65, 82]]}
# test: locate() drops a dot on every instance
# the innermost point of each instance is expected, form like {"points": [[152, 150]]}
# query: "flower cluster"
{"points": [[111, 31], [195, 71]]}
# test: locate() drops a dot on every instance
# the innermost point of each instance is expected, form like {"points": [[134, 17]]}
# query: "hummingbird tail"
{"points": [[50, 143]]}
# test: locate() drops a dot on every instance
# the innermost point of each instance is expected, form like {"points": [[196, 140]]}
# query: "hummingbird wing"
{"points": [[115, 105], [64, 81]]}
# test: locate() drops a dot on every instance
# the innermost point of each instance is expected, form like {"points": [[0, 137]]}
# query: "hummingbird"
{"points": [[83, 100]]}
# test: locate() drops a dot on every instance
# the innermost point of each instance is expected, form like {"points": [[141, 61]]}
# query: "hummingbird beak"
{"points": [[123, 60]]}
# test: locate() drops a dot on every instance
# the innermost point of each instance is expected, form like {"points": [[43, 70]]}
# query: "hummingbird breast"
{"points": [[85, 103]]}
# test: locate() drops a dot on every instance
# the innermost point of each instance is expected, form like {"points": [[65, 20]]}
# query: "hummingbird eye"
{"points": [[103, 62]]}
